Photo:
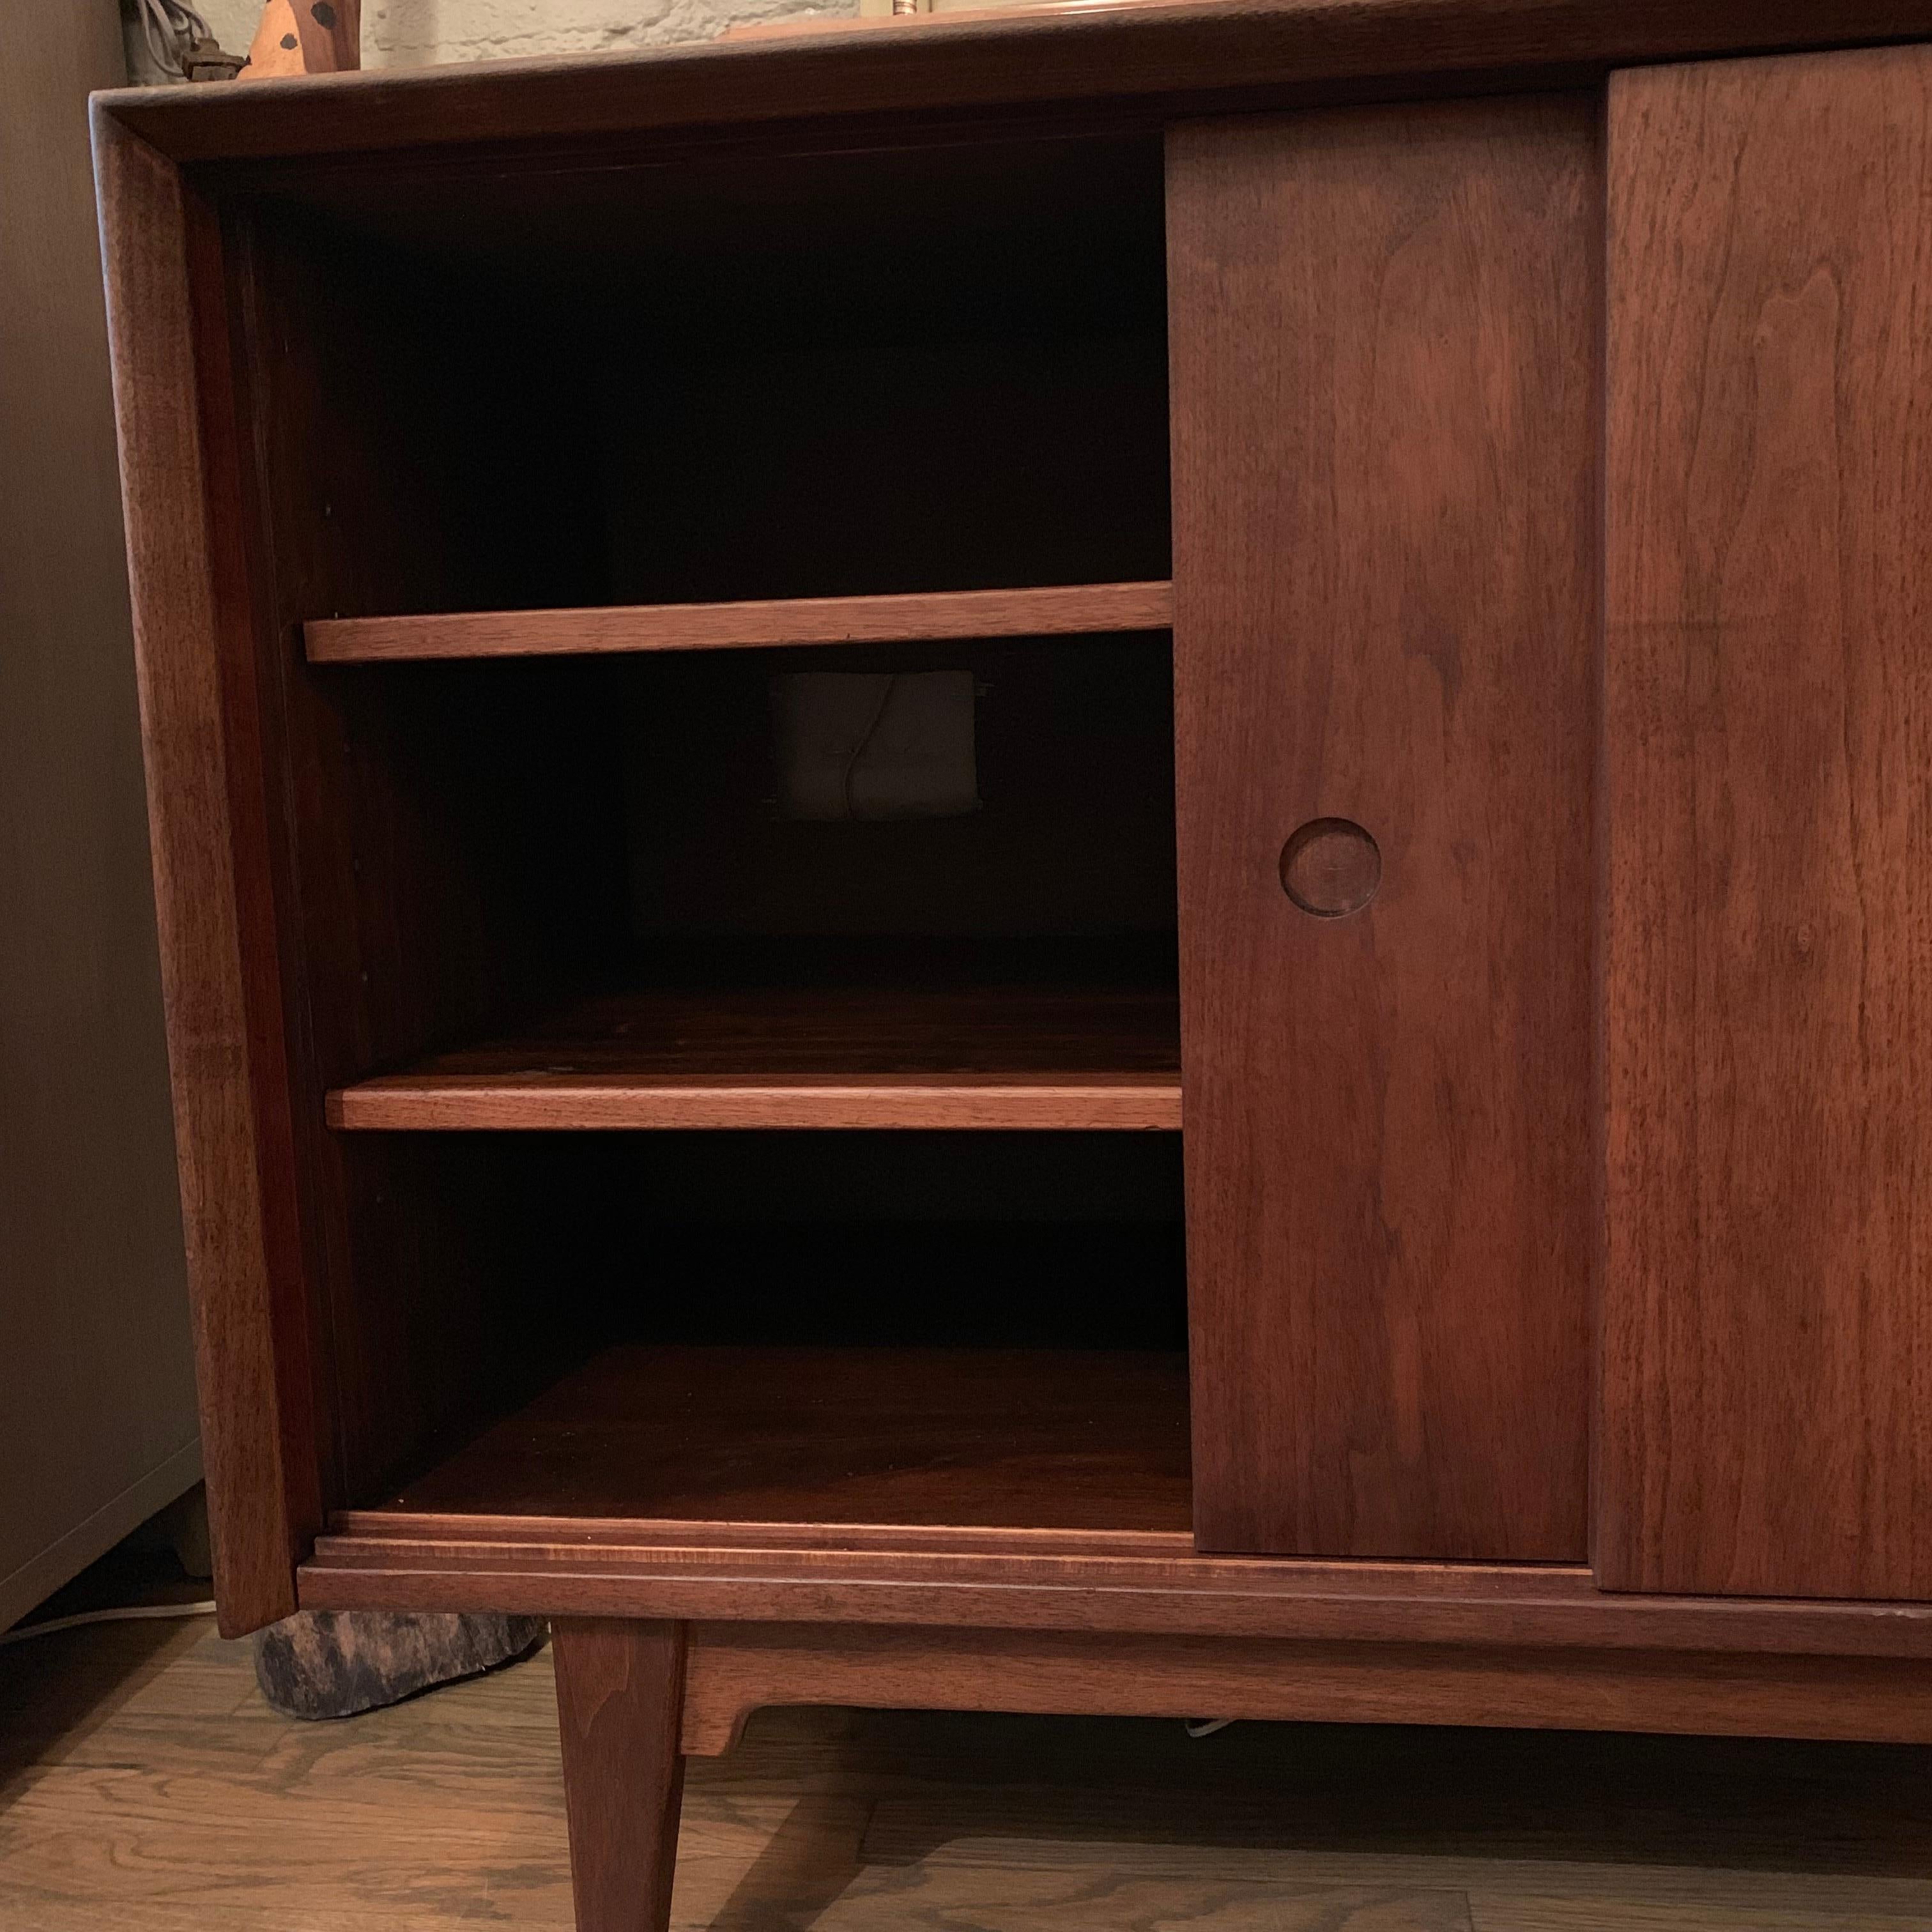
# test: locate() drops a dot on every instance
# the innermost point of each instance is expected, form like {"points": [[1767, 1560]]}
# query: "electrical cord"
{"points": [[864, 744], [132, 1613], [171, 29]]}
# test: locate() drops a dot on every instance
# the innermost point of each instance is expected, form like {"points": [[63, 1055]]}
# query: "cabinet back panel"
{"points": [[1767, 1325], [1383, 340], [1074, 756], [872, 464]]}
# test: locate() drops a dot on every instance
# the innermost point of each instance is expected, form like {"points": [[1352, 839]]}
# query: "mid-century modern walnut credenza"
{"points": [[1382, 1172]]}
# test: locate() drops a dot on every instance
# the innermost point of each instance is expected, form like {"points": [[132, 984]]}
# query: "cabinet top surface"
{"points": [[1153, 61]]}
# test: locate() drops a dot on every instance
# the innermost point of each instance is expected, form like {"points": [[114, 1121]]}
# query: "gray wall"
{"points": [[97, 1394]]}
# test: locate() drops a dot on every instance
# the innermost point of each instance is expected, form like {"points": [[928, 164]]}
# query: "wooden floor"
{"points": [[142, 1785]]}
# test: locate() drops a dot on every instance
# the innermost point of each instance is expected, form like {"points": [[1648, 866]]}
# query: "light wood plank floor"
{"points": [[145, 1788]]}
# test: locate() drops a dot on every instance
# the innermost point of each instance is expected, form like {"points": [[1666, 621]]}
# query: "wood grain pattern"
{"points": [[149, 1786], [1383, 350], [1066, 1577], [736, 1668], [1767, 1336], [1002, 1437], [998, 1057], [1164, 59], [221, 994], [1082, 1900], [627, 1535], [1532, 1913], [1451, 1809], [556, 1103], [1053, 610], [619, 1695]]}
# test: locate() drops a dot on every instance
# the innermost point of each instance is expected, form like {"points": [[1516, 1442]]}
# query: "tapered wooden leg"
{"points": [[619, 1703]]}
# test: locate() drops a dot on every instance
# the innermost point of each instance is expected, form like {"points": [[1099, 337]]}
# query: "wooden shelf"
{"points": [[1055, 611], [1017, 1438], [1075, 1057]]}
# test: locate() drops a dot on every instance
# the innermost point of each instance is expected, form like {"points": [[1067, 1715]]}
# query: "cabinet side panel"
{"points": [[1384, 343], [423, 886], [1766, 1372], [222, 1001]]}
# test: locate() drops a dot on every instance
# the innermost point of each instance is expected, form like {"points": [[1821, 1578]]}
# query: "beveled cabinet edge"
{"points": [[1188, 56], [221, 994]]}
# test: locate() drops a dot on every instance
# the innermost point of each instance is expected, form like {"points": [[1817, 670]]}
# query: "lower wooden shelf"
{"points": [[1072, 1057], [1025, 1439], [1040, 1492]]}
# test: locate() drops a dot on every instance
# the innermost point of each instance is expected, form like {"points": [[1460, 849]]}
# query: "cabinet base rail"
{"points": [[636, 1697]]}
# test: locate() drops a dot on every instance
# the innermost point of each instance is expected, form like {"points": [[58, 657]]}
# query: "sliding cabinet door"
{"points": [[1766, 1378], [1385, 329]]}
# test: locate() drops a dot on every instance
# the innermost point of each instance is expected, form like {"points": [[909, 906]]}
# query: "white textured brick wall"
{"points": [[414, 33]]}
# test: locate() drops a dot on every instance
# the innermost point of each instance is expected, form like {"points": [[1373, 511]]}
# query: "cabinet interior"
{"points": [[576, 891]]}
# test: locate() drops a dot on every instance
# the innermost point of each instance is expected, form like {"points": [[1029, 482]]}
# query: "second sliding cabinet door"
{"points": [[1384, 341], [1766, 1380]]}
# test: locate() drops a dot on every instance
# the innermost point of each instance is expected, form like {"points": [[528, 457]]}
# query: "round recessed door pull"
{"points": [[1331, 867]]}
